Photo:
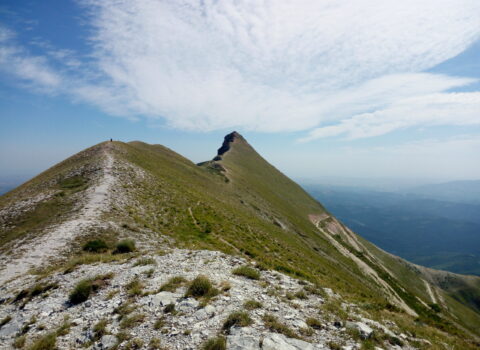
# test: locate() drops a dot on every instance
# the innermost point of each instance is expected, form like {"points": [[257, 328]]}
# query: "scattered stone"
{"points": [[364, 330]]}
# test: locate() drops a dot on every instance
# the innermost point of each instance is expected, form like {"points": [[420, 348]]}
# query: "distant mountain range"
{"points": [[442, 234]]}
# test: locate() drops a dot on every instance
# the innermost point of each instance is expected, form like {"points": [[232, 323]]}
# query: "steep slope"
{"points": [[237, 204]]}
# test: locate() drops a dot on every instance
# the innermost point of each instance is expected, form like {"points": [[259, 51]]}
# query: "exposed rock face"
{"points": [[364, 330], [228, 140], [190, 324]]}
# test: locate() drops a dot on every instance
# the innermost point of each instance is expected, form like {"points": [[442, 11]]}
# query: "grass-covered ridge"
{"points": [[261, 214], [49, 197], [242, 205]]}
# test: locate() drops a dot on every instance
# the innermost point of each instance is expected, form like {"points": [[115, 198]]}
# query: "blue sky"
{"points": [[370, 89]]}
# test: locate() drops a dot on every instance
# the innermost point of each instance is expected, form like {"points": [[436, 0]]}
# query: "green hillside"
{"points": [[240, 204]]}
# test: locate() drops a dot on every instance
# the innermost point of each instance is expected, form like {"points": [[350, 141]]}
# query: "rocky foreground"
{"points": [[147, 302]]}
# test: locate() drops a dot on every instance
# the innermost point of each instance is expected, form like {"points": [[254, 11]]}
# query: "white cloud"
{"points": [[425, 110], [32, 69], [275, 65]]}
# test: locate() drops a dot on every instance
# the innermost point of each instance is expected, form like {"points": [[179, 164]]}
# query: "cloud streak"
{"points": [[331, 68]]}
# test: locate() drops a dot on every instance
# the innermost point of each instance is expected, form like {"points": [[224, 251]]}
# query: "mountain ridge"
{"points": [[249, 209]]}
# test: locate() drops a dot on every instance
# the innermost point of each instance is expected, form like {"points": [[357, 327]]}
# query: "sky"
{"points": [[371, 89]]}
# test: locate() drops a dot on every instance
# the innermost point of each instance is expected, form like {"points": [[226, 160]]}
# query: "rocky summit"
{"points": [[132, 246]]}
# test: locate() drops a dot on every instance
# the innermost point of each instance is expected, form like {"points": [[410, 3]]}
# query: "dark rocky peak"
{"points": [[227, 142]]}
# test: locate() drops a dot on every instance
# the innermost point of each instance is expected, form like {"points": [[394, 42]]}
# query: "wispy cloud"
{"points": [[30, 69], [332, 68]]}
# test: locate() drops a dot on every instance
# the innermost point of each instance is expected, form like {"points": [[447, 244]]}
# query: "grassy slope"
{"points": [[63, 181], [200, 209], [259, 213]]}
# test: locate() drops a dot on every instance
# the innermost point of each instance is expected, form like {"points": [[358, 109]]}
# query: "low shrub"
{"points": [[82, 291], [237, 319], [125, 246], [218, 343], [95, 246], [201, 287], [248, 272]]}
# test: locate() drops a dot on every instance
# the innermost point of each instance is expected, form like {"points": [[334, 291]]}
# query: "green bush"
{"points": [[81, 292], [47, 342], [201, 287], [248, 272], [95, 246], [215, 344], [125, 246], [238, 319]]}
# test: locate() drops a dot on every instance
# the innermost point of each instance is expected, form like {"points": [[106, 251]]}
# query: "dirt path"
{"points": [[50, 245]]}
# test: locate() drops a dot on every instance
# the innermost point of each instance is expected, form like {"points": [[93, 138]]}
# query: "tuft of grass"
{"points": [[64, 329], [81, 292], [40, 288], [149, 273], [314, 323], [301, 295], [172, 284], [155, 344], [100, 329], [47, 342], [252, 305], [201, 287], [159, 324], [95, 246], [272, 323], [334, 346], [218, 343], [131, 321], [5, 320], [124, 309], [247, 272], [237, 319], [135, 343], [145, 261], [125, 246], [169, 309], [134, 288], [88, 259], [225, 286], [19, 342], [86, 287]]}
